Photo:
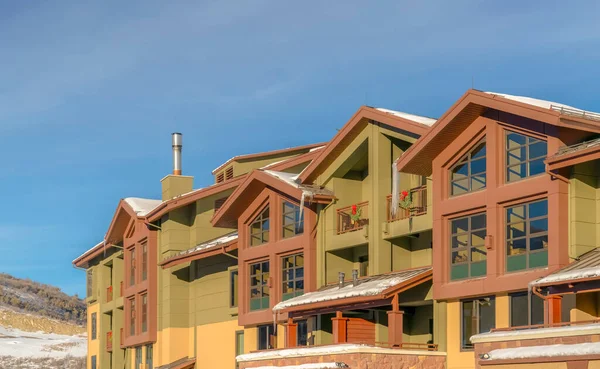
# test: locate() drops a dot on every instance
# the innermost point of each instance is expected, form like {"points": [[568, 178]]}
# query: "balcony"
{"points": [[417, 205], [541, 346], [109, 341], [353, 218], [109, 294], [347, 356]]}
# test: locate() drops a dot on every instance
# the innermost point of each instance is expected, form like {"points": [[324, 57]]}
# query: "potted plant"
{"points": [[355, 215], [405, 201]]}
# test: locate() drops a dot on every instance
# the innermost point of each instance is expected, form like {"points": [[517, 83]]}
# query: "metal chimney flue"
{"points": [[177, 141], [341, 277], [355, 277]]}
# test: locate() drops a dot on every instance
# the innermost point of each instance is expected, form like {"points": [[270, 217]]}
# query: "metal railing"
{"points": [[417, 207], [575, 112], [352, 218], [109, 341], [401, 346], [109, 294]]}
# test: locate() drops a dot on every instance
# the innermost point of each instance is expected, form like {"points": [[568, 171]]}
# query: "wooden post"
{"points": [[395, 324], [291, 331], [554, 309], [340, 328]]}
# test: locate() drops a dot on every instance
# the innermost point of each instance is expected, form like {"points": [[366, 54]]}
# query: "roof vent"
{"points": [[341, 277], [355, 277]]}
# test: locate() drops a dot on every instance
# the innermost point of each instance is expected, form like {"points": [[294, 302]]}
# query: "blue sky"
{"points": [[90, 91]]}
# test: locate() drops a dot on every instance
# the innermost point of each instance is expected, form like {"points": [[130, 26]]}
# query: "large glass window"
{"points": [[293, 223], [524, 156], [94, 326], [264, 336], [239, 345], [259, 229], [90, 281], [526, 309], [149, 354], [527, 236], [144, 261], [233, 288], [478, 316], [132, 317], [468, 253], [302, 333], [259, 286], [292, 276], [138, 357], [469, 173], [131, 267], [144, 313]]}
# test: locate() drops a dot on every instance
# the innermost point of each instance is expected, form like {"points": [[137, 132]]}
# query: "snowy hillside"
{"points": [[20, 349]]}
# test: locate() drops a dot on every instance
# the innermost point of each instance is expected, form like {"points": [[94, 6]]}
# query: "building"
{"points": [[403, 242]]}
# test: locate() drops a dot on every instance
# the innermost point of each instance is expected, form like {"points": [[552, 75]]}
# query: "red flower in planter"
{"points": [[353, 209], [403, 195]]}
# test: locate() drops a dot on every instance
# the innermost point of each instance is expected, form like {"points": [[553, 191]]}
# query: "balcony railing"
{"points": [[121, 289], [109, 341], [417, 206], [109, 294], [352, 218], [122, 337]]}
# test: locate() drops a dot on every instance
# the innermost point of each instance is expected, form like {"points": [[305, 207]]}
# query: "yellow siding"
{"points": [[93, 345]]}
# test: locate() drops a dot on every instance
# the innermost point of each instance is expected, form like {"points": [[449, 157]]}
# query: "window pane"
{"points": [[537, 310], [460, 225], [538, 209], [479, 151], [460, 171], [536, 167], [488, 315], [514, 140], [460, 186], [478, 182], [478, 254], [460, 240], [519, 308], [516, 247], [468, 253], [468, 174], [460, 257], [468, 324], [516, 172], [515, 214], [478, 166], [537, 226], [538, 150]]}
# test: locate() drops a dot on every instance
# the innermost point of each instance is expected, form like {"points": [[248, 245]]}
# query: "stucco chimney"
{"points": [[175, 184]]}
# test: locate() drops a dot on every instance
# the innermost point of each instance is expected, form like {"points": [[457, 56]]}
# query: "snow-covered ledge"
{"points": [[347, 348], [579, 349], [537, 333]]}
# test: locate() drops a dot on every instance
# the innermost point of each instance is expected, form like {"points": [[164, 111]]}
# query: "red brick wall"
{"points": [[359, 361]]}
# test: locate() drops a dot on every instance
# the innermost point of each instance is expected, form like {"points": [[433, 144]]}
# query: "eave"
{"points": [[352, 128], [200, 254], [574, 158]]}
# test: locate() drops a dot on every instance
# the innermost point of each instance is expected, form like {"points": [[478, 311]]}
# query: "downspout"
{"points": [[225, 253]]}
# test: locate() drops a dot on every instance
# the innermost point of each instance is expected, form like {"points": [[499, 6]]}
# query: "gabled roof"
{"points": [[586, 267], [368, 288], [142, 206], [353, 127], [256, 181], [294, 161], [224, 243], [418, 158], [289, 150], [82, 260]]}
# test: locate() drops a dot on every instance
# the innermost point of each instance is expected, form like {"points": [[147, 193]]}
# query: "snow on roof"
{"points": [[551, 105], [333, 365], [586, 266], [142, 206], [579, 349], [564, 150], [368, 286], [89, 251], [524, 333], [292, 180], [300, 351], [211, 244], [415, 118]]}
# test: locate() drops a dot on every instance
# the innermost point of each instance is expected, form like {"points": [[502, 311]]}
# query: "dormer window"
{"points": [[259, 228], [524, 156], [469, 173]]}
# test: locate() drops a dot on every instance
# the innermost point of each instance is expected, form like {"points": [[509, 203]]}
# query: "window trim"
{"points": [[144, 313], [132, 267], [468, 248], [461, 332], [528, 160], [144, 247], [149, 355], [260, 286], [231, 271], [468, 161], [527, 220], [260, 219], [132, 317], [296, 224], [94, 326], [530, 298], [270, 329], [294, 279]]}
